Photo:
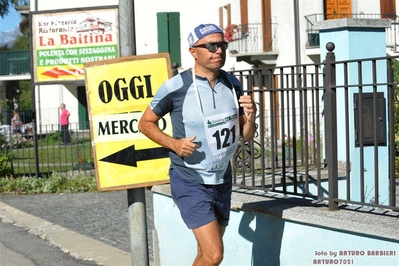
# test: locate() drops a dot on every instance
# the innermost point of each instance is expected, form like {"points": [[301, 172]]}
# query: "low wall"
{"points": [[271, 229]]}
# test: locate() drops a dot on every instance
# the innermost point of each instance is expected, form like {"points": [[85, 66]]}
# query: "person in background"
{"points": [[16, 123], [209, 113], [64, 121]]}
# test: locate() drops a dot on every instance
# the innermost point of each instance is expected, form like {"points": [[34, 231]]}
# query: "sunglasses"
{"points": [[213, 46]]}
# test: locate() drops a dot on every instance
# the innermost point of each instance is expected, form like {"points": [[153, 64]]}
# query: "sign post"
{"points": [[135, 196], [118, 92]]}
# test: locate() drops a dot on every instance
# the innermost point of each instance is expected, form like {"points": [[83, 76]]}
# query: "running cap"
{"points": [[201, 31]]}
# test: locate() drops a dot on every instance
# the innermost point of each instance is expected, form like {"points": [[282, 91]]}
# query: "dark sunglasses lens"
{"points": [[225, 45], [213, 47]]}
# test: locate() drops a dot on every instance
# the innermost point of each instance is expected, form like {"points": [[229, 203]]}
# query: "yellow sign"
{"points": [[63, 41], [118, 92]]}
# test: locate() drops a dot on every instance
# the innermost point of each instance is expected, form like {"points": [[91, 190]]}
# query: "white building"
{"points": [[270, 33]]}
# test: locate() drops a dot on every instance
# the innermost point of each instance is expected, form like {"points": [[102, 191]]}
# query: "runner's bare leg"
{"points": [[210, 244]]}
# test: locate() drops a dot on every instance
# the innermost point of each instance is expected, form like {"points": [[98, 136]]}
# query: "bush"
{"points": [[5, 158], [18, 141], [397, 166], [57, 183], [53, 138]]}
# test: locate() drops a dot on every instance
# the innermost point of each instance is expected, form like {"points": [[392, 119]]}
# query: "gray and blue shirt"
{"points": [[177, 97]]}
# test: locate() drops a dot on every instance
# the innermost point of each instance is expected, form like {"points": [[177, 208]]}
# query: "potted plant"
{"points": [[84, 164], [229, 32]]}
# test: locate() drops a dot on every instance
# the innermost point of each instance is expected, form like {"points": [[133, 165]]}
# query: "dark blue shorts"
{"points": [[201, 204]]}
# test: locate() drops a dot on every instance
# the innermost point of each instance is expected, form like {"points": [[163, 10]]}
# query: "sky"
{"points": [[10, 21]]}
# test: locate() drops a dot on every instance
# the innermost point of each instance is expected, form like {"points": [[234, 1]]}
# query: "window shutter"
{"points": [[169, 35]]}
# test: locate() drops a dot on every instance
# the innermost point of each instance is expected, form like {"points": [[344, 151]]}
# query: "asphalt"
{"points": [[17, 247], [71, 229], [89, 228]]}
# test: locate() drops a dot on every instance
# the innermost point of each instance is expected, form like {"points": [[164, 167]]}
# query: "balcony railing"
{"points": [[252, 38], [14, 62], [392, 40], [22, 2], [22, 6]]}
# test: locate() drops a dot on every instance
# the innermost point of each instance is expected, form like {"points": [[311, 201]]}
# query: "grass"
{"points": [[54, 153], [51, 156], [56, 183]]}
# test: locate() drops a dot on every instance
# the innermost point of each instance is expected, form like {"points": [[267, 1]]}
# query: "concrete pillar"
{"points": [[358, 39]]}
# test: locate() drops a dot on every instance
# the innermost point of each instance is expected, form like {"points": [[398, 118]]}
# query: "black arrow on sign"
{"points": [[130, 156]]}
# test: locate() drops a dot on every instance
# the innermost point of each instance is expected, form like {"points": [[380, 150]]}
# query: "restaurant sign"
{"points": [[64, 41]]}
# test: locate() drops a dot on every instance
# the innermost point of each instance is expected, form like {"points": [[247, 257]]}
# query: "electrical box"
{"points": [[368, 118]]}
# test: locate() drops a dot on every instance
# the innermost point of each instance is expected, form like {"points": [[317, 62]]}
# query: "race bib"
{"points": [[223, 133]]}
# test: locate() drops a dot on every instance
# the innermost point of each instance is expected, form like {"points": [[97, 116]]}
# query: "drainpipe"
{"points": [[297, 63], [297, 35]]}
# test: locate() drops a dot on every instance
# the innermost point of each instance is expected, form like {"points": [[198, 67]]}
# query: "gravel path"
{"points": [[99, 215]]}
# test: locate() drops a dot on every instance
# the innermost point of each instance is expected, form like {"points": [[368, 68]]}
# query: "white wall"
{"points": [[274, 232], [192, 13], [366, 6], [48, 99]]}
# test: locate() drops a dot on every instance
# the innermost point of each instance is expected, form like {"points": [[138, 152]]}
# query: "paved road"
{"points": [[95, 223], [99, 216], [19, 248]]}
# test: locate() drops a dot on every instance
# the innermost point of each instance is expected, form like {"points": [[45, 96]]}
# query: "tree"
{"points": [[4, 7], [23, 43]]}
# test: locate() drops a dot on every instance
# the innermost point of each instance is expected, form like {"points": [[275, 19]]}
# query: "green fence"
{"points": [[14, 62]]}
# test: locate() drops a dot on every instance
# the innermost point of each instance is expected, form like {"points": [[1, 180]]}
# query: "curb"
{"points": [[70, 242]]}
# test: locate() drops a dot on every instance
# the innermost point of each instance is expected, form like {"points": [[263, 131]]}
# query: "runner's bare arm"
{"points": [[147, 126]]}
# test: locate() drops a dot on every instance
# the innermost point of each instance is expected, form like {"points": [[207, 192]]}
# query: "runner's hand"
{"points": [[185, 147], [249, 106]]}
